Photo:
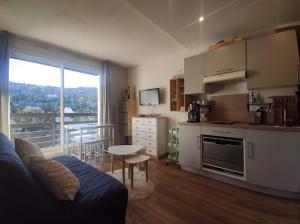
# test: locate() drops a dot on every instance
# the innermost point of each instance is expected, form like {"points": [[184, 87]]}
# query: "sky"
{"points": [[32, 73]]}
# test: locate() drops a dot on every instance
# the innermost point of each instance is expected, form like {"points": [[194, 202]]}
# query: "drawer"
{"points": [[150, 121], [224, 132], [137, 128], [137, 121], [151, 129], [138, 141], [151, 151], [149, 136], [149, 143], [137, 134]]}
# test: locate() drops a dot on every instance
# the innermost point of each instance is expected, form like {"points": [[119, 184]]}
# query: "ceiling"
{"points": [[132, 32]]}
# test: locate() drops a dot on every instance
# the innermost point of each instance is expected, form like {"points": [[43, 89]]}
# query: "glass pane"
{"points": [[35, 103], [81, 101], [80, 97]]}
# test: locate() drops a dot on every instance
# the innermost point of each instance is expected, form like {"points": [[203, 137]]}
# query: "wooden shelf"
{"points": [[177, 99]]}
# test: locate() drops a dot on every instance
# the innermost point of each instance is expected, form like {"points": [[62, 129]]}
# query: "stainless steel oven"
{"points": [[223, 154]]}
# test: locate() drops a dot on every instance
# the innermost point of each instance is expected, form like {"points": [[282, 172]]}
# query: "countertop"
{"points": [[244, 126]]}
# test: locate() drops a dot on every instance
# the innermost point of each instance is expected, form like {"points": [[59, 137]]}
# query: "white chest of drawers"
{"points": [[150, 132]]}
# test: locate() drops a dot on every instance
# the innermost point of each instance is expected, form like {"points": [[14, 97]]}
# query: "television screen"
{"points": [[149, 97]]}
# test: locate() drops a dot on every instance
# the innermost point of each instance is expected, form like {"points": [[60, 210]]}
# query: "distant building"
{"points": [[68, 110], [31, 109]]}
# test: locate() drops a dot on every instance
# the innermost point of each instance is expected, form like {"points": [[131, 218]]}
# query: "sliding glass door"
{"points": [[36, 100]]}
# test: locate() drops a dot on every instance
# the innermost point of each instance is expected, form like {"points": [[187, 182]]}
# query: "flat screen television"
{"points": [[149, 97]]}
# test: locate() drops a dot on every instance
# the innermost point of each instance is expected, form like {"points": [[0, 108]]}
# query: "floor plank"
{"points": [[182, 197]]}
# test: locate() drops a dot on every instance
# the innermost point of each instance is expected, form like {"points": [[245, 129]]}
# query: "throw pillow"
{"points": [[27, 149], [55, 177]]}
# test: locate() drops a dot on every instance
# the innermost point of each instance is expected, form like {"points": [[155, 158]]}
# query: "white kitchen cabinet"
{"points": [[273, 61], [272, 159], [151, 133], [190, 146], [225, 59], [193, 74]]}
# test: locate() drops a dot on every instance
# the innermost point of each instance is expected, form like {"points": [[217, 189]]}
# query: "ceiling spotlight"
{"points": [[201, 19]]}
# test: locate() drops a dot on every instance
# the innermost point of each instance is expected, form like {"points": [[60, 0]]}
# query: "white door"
{"points": [[190, 146]]}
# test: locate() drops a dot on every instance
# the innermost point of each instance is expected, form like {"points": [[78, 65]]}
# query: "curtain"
{"points": [[105, 110], [105, 102], [4, 82]]}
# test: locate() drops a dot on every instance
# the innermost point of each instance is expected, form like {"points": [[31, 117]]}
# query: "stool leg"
{"points": [[131, 175], [146, 170]]}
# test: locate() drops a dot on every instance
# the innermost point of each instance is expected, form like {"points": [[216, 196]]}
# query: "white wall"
{"points": [[157, 73]]}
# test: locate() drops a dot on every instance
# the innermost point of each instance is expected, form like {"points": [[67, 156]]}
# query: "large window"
{"points": [[35, 101]]}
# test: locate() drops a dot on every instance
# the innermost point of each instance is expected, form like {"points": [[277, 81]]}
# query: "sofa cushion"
{"points": [[100, 194], [27, 149], [22, 200], [55, 177]]}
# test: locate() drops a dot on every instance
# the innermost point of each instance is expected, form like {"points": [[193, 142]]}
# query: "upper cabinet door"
{"points": [[273, 60], [226, 59], [193, 74]]}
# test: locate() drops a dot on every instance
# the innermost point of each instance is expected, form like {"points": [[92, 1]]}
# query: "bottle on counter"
{"points": [[253, 98], [258, 115]]}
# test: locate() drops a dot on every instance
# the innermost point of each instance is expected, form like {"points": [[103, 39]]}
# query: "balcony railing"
{"points": [[44, 128]]}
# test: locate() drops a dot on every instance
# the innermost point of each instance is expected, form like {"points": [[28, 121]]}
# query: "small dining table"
{"points": [[123, 150]]}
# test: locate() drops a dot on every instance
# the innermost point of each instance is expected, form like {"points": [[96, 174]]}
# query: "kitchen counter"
{"points": [[244, 126]]}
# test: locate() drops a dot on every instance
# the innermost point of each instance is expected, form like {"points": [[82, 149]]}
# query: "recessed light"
{"points": [[201, 19]]}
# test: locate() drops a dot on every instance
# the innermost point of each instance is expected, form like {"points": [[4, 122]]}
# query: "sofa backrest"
{"points": [[22, 200]]}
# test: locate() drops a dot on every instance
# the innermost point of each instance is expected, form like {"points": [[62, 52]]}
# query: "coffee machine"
{"points": [[194, 112]]}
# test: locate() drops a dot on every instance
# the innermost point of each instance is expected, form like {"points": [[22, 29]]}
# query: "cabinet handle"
{"points": [[198, 142], [222, 132], [250, 150], [224, 70]]}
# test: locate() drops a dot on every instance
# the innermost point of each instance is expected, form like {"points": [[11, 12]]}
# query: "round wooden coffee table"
{"points": [[123, 150]]}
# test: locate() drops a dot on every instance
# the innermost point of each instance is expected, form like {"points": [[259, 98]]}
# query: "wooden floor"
{"points": [[181, 197]]}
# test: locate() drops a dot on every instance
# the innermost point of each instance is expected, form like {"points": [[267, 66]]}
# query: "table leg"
{"points": [[128, 171], [131, 174], [146, 170], [123, 169], [112, 163]]}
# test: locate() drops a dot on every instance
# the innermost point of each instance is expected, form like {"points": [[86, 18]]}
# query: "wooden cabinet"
{"points": [[177, 100], [127, 111], [193, 74], [273, 159], [151, 133], [190, 146], [226, 59], [273, 60]]}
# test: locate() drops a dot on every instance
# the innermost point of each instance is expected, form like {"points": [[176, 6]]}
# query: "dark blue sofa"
{"points": [[101, 198]]}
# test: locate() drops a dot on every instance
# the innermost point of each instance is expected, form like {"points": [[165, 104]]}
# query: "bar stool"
{"points": [[136, 160]]}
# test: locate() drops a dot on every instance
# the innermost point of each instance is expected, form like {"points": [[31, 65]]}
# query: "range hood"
{"points": [[225, 78]]}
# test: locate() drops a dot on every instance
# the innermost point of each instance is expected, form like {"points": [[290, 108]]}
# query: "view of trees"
{"points": [[47, 98]]}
